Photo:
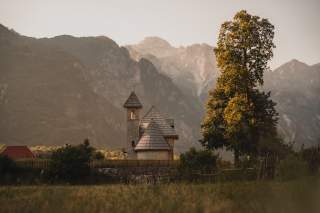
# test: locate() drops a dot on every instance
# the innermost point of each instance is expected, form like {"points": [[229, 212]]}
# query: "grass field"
{"points": [[296, 196]]}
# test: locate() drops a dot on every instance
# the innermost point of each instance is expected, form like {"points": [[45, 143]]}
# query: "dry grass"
{"points": [[295, 197]]}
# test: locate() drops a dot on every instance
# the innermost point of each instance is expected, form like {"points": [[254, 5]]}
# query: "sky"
{"points": [[180, 22]]}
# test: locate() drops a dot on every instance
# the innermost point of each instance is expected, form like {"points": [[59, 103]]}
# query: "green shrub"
{"points": [[292, 167], [7, 165], [70, 163], [199, 160], [97, 155]]}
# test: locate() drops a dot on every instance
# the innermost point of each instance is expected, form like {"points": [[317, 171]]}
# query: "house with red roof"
{"points": [[17, 152]]}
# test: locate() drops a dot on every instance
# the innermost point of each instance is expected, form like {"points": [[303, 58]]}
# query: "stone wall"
{"points": [[154, 155]]}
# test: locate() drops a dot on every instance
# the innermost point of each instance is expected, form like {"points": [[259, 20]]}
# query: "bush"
{"points": [[312, 157], [97, 156], [71, 163], [292, 167], [7, 166], [201, 160], [223, 164], [8, 170]]}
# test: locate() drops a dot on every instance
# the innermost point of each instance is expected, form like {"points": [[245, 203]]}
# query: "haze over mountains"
{"points": [[295, 87], [192, 68], [64, 89]]}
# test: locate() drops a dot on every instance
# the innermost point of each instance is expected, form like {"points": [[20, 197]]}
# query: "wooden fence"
{"points": [[160, 169], [133, 163], [44, 163], [33, 163]]}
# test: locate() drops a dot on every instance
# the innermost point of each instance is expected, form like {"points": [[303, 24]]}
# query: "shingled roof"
{"points": [[132, 101], [152, 139], [164, 126]]}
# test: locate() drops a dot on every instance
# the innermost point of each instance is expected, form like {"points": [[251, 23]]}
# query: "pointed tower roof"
{"points": [[132, 101], [152, 139], [158, 118]]}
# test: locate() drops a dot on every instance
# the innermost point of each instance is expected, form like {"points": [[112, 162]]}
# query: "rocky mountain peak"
{"points": [[192, 68], [155, 42], [292, 66], [154, 46], [6, 33]]}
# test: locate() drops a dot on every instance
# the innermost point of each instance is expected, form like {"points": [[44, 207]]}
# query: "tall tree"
{"points": [[238, 113]]}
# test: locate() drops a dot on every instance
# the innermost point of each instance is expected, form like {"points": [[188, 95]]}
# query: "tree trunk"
{"points": [[236, 158]]}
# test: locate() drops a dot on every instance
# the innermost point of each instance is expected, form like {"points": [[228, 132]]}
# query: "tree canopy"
{"points": [[238, 113]]}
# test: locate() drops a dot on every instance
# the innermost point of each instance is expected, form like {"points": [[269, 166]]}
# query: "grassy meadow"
{"points": [[295, 197]]}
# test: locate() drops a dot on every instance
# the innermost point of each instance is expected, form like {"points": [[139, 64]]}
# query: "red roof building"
{"points": [[17, 152]]}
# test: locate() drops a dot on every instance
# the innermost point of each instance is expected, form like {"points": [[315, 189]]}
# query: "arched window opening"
{"points": [[133, 144], [132, 115]]}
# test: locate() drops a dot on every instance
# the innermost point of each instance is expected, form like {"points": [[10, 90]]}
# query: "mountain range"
{"points": [[294, 86], [64, 89]]}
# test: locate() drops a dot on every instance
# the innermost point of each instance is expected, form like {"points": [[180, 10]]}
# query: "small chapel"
{"points": [[151, 137]]}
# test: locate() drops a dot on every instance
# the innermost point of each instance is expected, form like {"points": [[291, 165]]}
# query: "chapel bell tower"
{"points": [[133, 107]]}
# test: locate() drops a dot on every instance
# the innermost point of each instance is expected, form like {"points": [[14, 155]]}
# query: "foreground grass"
{"points": [[297, 196]]}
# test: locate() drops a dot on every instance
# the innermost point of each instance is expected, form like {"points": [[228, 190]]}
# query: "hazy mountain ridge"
{"points": [[192, 68], [64, 89], [107, 75], [44, 97], [113, 74], [295, 87]]}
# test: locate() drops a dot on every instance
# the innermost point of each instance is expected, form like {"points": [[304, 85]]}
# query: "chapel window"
{"points": [[132, 115]]}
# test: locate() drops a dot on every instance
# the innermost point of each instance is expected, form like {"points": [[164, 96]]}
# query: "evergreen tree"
{"points": [[238, 114]]}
